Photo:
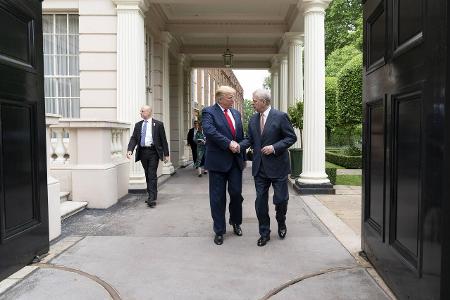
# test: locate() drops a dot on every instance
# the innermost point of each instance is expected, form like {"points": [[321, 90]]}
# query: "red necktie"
{"points": [[230, 123]]}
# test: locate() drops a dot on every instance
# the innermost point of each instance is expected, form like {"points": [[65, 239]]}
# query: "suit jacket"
{"points": [[218, 157], [279, 133], [190, 138], [159, 139]]}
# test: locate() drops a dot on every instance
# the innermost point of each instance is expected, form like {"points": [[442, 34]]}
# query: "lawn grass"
{"points": [[349, 180], [331, 165]]}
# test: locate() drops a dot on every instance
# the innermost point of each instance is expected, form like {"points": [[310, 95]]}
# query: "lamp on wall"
{"points": [[228, 57]]}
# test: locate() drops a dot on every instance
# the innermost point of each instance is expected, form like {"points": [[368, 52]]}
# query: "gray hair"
{"points": [[263, 94]]}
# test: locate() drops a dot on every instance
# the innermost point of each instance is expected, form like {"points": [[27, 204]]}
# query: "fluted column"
{"points": [[181, 116], [283, 101], [131, 69], [295, 67], [166, 38], [314, 111], [275, 80]]}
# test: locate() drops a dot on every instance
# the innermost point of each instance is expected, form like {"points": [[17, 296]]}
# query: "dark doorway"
{"points": [[23, 174]]}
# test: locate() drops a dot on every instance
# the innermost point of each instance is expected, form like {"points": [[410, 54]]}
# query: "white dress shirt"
{"points": [[148, 133], [229, 114], [266, 114]]}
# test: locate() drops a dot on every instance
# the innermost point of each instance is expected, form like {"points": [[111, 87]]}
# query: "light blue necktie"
{"points": [[143, 134]]}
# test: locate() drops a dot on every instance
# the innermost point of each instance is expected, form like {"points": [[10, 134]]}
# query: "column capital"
{"points": [[181, 59], [294, 38], [275, 61], [311, 6], [166, 38], [283, 58], [124, 5]]}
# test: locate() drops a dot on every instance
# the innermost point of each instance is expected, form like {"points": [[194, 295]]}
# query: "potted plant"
{"points": [[295, 113]]}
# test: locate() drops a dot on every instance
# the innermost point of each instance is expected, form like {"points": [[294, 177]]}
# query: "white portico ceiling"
{"points": [[255, 28]]}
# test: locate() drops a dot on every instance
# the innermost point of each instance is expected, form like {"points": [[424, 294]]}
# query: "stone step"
{"points": [[64, 196], [69, 208]]}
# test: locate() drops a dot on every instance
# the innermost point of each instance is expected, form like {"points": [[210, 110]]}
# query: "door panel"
{"points": [[376, 201], [20, 213], [23, 174], [407, 180]]}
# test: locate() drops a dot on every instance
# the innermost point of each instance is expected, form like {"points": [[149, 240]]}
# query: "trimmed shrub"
{"points": [[349, 162], [349, 94], [331, 172], [331, 116]]}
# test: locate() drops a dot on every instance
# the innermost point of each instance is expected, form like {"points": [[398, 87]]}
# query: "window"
{"points": [[61, 65]]}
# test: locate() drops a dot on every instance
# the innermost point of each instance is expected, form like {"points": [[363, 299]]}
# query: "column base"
{"points": [[137, 183], [184, 162], [167, 168], [314, 189]]}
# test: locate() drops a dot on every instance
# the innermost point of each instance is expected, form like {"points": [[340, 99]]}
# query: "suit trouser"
{"points": [[150, 161], [218, 200], [280, 199], [194, 153]]}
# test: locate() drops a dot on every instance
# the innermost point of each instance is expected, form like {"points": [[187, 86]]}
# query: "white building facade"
{"points": [[104, 59]]}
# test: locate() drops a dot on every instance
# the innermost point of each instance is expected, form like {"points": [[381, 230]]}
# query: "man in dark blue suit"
{"points": [[270, 134], [222, 126]]}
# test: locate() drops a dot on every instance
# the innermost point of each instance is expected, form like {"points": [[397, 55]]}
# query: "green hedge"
{"points": [[330, 169], [331, 115], [349, 162], [331, 172], [349, 93]]}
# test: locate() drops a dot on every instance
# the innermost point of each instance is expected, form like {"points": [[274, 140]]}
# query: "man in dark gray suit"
{"points": [[270, 134], [149, 137]]}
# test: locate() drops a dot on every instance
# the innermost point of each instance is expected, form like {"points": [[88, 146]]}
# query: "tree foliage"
{"points": [[248, 111], [267, 84], [339, 58], [295, 113], [343, 24]]}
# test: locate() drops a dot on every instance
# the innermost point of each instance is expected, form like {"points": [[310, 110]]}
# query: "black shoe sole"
{"points": [[217, 242], [262, 244]]}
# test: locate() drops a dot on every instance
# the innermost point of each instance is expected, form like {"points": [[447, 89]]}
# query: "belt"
{"points": [[148, 147]]}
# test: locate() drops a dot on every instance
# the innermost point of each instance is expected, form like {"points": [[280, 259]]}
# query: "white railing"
{"points": [[80, 152]]}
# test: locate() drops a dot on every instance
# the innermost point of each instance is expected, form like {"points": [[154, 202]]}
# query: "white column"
{"points": [[131, 70], [283, 101], [181, 116], [166, 38], [314, 110], [295, 67], [195, 87], [275, 92], [202, 87]]}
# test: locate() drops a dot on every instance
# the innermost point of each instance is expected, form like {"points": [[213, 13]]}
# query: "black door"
{"points": [[404, 97], [23, 174]]}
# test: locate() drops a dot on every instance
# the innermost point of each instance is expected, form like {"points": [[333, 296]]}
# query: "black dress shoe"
{"points": [[151, 204], [218, 239], [282, 230], [237, 229], [262, 241]]}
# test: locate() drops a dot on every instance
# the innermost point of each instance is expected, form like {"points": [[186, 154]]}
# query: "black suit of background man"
{"points": [[149, 155]]}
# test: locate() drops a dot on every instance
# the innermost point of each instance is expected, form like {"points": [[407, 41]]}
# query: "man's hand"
{"points": [[166, 159], [129, 154], [267, 150], [234, 147]]}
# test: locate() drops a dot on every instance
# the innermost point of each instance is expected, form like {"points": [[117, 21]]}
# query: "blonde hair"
{"points": [[224, 90]]}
